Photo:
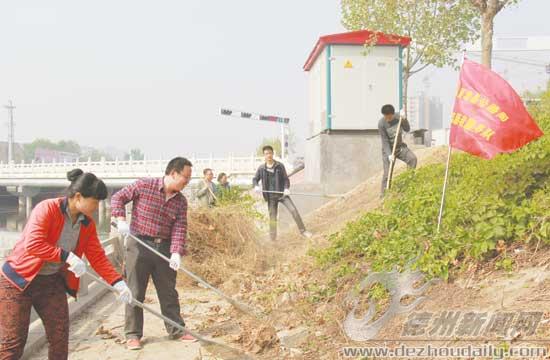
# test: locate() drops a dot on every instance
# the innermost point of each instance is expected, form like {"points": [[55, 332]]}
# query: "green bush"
{"points": [[506, 198], [238, 197]]}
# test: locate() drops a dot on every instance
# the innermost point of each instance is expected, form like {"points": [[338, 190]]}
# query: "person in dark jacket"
{"points": [[387, 128], [276, 189]]}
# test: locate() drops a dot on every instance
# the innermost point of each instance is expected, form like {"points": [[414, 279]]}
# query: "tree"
{"points": [[62, 145], [488, 10], [135, 154], [292, 141], [273, 142], [68, 146], [438, 29], [96, 155]]}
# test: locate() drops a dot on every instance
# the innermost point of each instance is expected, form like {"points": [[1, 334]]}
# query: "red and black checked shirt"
{"points": [[152, 214]]}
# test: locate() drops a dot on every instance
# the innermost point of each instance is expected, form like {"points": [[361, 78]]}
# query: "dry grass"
{"points": [[222, 242]]}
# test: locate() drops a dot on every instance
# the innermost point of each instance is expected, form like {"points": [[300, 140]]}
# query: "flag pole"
{"points": [[394, 148], [444, 186], [444, 191]]}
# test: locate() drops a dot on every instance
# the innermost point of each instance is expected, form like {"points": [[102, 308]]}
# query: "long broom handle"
{"points": [[237, 304], [152, 311], [392, 164], [304, 194], [214, 346], [210, 191]]}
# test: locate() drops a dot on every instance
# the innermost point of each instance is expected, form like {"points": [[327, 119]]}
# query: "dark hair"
{"points": [[221, 175], [388, 109], [177, 164], [87, 184], [206, 170], [267, 147]]}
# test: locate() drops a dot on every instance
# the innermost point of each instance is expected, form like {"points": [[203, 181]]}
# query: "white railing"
{"points": [[115, 254], [128, 169]]}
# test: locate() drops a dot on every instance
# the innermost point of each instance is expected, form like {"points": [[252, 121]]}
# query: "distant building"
{"points": [[425, 112], [48, 155], [523, 61], [18, 153]]}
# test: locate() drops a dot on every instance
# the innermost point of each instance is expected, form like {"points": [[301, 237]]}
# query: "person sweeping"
{"points": [[275, 189], [159, 218], [46, 264], [393, 146]]}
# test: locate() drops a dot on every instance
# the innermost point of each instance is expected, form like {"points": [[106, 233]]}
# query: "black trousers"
{"points": [[273, 206], [404, 154], [141, 264]]}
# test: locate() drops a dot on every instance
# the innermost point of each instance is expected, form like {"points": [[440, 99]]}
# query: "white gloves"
{"points": [[76, 265], [123, 227], [391, 158], [124, 293], [286, 192], [175, 261], [257, 189]]}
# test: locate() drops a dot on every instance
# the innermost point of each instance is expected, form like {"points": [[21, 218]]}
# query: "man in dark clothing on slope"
{"points": [[275, 189], [387, 127]]}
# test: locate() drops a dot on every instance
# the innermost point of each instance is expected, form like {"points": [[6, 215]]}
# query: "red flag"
{"points": [[488, 116]]}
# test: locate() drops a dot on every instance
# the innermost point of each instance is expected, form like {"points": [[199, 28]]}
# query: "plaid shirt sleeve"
{"points": [[123, 197], [179, 231]]}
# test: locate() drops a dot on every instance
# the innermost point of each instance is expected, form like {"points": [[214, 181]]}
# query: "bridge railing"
{"points": [[129, 168], [114, 251]]}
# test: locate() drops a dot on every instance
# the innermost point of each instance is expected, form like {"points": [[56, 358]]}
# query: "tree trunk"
{"points": [[405, 91], [487, 21]]}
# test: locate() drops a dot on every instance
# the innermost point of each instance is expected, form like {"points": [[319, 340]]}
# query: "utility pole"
{"points": [[11, 130]]}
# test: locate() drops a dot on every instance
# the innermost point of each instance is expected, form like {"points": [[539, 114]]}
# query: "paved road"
{"points": [[86, 344]]}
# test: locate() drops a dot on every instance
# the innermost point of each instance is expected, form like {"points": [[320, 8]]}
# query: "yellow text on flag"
{"points": [[483, 102], [471, 125]]}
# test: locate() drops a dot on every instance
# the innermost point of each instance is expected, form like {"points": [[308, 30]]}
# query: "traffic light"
{"points": [[255, 116]]}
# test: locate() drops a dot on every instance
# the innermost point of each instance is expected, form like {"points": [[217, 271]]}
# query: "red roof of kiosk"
{"points": [[354, 38]]}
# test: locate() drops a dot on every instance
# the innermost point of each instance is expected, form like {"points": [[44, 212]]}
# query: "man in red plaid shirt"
{"points": [[159, 218]]}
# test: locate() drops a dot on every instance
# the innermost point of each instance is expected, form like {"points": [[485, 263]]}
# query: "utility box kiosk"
{"points": [[348, 84]]}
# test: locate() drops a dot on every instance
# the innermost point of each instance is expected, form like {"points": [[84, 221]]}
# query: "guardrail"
{"points": [[114, 250], [128, 168]]}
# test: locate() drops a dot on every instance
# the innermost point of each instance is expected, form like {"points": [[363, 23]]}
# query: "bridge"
{"points": [[121, 173], [25, 180]]}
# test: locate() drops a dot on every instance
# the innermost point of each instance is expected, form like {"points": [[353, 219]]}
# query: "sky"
{"points": [[154, 74]]}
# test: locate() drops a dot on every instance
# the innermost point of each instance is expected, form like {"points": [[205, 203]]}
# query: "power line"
{"points": [[510, 50], [517, 61]]}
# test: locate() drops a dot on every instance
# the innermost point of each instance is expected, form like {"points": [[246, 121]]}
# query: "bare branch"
{"points": [[419, 55], [412, 72]]}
